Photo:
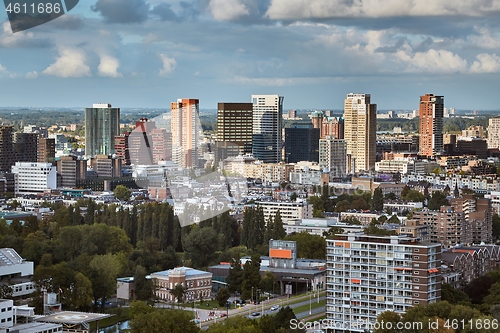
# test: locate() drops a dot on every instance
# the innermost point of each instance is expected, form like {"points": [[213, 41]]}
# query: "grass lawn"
{"points": [[203, 305], [305, 308]]}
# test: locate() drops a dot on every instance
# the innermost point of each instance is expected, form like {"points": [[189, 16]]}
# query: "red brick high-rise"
{"points": [[431, 125]]}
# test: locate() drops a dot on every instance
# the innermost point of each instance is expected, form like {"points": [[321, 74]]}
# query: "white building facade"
{"points": [[367, 275], [34, 177]]}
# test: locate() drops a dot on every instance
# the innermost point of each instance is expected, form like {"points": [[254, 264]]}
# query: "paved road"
{"points": [[264, 308]]}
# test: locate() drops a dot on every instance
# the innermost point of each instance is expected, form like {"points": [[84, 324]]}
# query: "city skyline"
{"points": [[137, 53]]}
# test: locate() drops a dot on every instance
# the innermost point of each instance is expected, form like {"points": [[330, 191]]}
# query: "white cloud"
{"points": [[325, 9], [485, 39], [109, 66], [169, 65], [20, 39], [486, 63], [71, 63], [31, 75], [228, 10], [432, 61]]}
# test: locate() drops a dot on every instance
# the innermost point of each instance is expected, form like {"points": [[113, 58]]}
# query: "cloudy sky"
{"points": [[147, 53]]}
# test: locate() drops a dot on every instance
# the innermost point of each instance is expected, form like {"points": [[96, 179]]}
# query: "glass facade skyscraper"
{"points": [[102, 124], [267, 128]]}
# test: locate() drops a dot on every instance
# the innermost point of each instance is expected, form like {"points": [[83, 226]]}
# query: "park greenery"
{"points": [[80, 250]]}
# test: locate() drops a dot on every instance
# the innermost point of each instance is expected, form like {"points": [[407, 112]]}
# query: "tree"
{"points": [[352, 220], [452, 295], [414, 196], [151, 320], [282, 321], [493, 296], [5, 291], [102, 272], [437, 200], [333, 231], [342, 206], [387, 317], [143, 285], [222, 296], [394, 219], [496, 226], [236, 325], [268, 282], [404, 192], [200, 246], [235, 276], [251, 277], [122, 193], [278, 231], [309, 246], [79, 295], [378, 200], [478, 288], [390, 196], [293, 196], [178, 292], [318, 205]]}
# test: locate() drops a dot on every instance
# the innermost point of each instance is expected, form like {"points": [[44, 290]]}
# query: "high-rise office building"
{"points": [[333, 156], [26, 147], [102, 124], [234, 130], [360, 126], [185, 127], [301, 143], [70, 170], [162, 145], [7, 157], [46, 150], [367, 275], [140, 143], [267, 128], [121, 148], [431, 125]]}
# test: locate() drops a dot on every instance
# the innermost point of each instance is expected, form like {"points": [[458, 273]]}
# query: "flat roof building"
{"points": [[367, 275]]}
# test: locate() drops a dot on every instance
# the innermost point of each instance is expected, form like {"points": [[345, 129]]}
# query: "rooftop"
{"points": [[33, 327], [73, 317], [9, 257], [188, 271]]}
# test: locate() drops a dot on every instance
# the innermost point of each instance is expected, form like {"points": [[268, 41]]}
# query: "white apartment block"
{"points": [[267, 172], [494, 133], [306, 177], [405, 166], [367, 275], [288, 210], [479, 183], [333, 156], [34, 177]]}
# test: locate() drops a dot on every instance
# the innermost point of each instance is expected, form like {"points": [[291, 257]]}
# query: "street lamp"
{"points": [[310, 303]]}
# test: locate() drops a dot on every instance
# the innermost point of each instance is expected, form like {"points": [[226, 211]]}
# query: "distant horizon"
{"points": [[129, 108]]}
